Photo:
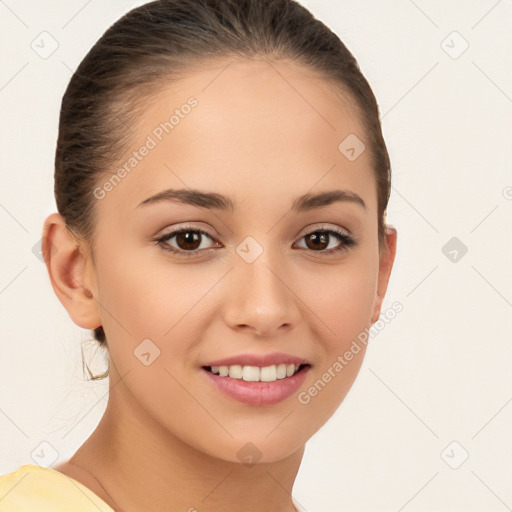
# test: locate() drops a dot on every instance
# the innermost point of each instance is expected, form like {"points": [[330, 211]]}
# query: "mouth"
{"points": [[257, 386], [248, 373]]}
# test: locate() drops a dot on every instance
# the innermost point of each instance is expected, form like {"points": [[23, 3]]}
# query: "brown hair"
{"points": [[159, 41]]}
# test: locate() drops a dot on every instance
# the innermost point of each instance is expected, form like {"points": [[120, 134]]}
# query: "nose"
{"points": [[261, 298]]}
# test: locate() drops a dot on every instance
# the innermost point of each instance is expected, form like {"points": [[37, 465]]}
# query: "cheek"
{"points": [[344, 297], [129, 293], [344, 304], [149, 298], [150, 333]]}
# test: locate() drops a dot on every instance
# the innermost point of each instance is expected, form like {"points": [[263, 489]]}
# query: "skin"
{"points": [[168, 439]]}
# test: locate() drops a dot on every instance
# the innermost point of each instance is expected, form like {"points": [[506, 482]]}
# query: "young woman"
{"points": [[222, 182]]}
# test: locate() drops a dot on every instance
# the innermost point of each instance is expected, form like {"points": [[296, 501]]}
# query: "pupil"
{"points": [[322, 238]]}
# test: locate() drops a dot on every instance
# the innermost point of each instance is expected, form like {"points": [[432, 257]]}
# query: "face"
{"points": [[257, 277]]}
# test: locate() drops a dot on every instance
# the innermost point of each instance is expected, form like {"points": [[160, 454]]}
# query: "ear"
{"points": [[71, 272], [386, 259]]}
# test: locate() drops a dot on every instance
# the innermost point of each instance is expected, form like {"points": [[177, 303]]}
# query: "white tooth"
{"points": [[235, 371], [268, 374], [255, 373], [290, 370], [251, 373], [281, 371]]}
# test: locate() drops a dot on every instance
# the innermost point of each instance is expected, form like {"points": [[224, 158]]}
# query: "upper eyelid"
{"points": [[324, 227]]}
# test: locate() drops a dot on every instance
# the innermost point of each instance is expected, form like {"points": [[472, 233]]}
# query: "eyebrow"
{"points": [[214, 201]]}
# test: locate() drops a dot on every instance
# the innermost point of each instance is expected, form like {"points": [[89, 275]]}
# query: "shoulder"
{"points": [[33, 487]]}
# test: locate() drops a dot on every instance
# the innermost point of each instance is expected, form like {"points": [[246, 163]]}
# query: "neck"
{"points": [[141, 466]]}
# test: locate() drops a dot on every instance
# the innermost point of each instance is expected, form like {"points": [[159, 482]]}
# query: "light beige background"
{"points": [[439, 372]]}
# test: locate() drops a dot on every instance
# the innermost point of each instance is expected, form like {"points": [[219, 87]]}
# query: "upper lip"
{"points": [[275, 358]]}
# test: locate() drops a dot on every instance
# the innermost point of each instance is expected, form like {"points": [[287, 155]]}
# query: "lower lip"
{"points": [[258, 393]]}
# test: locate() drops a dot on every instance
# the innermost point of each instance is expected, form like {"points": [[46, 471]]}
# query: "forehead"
{"points": [[243, 128]]}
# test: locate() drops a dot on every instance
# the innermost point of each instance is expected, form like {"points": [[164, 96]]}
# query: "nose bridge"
{"points": [[260, 297]]}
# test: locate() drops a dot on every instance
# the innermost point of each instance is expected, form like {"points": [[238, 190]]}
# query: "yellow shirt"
{"points": [[32, 488]]}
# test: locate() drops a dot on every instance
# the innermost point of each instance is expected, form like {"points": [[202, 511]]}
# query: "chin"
{"points": [[251, 450]]}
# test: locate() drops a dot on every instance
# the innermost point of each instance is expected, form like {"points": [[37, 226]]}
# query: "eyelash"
{"points": [[347, 241]]}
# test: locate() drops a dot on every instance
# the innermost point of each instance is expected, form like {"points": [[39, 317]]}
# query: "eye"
{"points": [[320, 240], [188, 240]]}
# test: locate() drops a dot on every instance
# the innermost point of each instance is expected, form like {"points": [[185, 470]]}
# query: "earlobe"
{"points": [[69, 269], [387, 258]]}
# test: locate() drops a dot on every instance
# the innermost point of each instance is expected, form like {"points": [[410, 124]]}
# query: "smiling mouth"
{"points": [[257, 373]]}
